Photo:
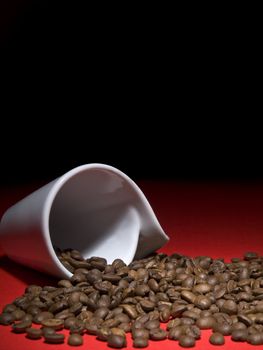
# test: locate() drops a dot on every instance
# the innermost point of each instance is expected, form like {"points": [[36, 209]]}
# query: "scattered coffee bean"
{"points": [[53, 323], [6, 319], [109, 300], [34, 333], [116, 341], [186, 341], [239, 335], [55, 338], [75, 340], [217, 339]]}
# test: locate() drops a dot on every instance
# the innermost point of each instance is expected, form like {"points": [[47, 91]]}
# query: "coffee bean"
{"points": [[255, 339], [250, 255], [177, 310], [44, 315], [217, 339], [77, 328], [193, 331], [21, 327], [188, 296], [202, 288], [34, 333], [9, 308], [186, 341], [244, 319], [140, 333], [75, 340], [205, 322], [6, 319], [175, 332], [130, 310], [53, 323], [239, 335], [153, 285], [147, 305], [152, 324], [224, 328], [157, 334], [140, 342], [47, 331], [55, 338], [18, 314], [229, 307], [64, 284], [116, 341], [110, 300], [202, 302]]}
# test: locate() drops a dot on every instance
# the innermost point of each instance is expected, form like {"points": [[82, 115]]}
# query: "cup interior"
{"points": [[94, 212]]}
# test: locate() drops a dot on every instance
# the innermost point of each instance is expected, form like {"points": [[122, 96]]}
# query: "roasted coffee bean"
{"points": [[140, 342], [217, 339], [177, 310], [18, 314], [103, 333], [147, 305], [195, 293], [224, 328], [130, 310], [47, 331], [202, 288], [193, 331], [140, 333], [188, 296], [77, 328], [118, 331], [121, 317], [158, 334], [229, 307], [9, 308], [44, 315], [165, 315], [34, 333], [70, 321], [175, 332], [21, 327], [75, 340], [239, 335], [244, 319], [186, 341], [205, 322], [202, 302], [6, 319], [152, 324], [116, 341], [53, 323], [125, 326], [255, 339], [64, 284], [55, 338], [153, 285]]}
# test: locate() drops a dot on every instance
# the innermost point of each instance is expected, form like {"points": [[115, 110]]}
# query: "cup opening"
{"points": [[93, 211]]}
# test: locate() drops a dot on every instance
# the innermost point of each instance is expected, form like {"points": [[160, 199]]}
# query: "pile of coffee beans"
{"points": [[155, 298]]}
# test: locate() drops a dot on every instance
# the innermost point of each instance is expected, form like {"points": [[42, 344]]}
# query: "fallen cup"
{"points": [[94, 208]]}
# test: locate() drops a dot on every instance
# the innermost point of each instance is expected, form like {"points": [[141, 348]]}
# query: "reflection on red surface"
{"points": [[217, 219]]}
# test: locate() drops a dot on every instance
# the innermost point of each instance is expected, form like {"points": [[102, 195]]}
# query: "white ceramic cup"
{"points": [[94, 208]]}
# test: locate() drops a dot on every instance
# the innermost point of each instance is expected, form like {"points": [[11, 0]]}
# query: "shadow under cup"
{"points": [[92, 213]]}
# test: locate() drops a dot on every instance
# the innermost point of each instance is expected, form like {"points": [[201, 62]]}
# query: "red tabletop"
{"points": [[216, 219]]}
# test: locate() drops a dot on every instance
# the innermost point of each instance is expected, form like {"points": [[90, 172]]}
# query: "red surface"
{"points": [[220, 220]]}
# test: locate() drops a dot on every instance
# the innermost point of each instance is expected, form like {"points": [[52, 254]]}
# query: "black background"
{"points": [[153, 98]]}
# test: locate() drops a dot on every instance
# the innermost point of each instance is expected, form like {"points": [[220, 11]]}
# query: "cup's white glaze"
{"points": [[94, 208]]}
